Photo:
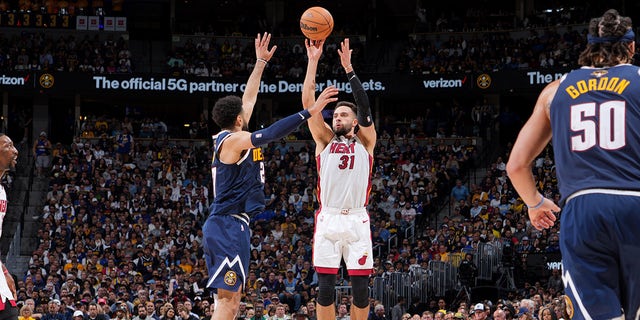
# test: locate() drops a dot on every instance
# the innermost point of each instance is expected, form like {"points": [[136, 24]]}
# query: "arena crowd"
{"points": [[121, 228]]}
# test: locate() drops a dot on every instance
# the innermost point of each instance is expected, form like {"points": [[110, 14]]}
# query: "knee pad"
{"points": [[360, 291], [326, 289]]}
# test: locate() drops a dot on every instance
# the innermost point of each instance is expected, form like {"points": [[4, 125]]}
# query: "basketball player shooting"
{"points": [[344, 157]]}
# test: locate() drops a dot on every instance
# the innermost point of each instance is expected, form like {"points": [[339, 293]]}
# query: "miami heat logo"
{"points": [[363, 259], [230, 278], [569, 308]]}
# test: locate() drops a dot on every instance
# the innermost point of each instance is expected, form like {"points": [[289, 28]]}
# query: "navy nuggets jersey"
{"points": [[595, 118], [238, 187]]}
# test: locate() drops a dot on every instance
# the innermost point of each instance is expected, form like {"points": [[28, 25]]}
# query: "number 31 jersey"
{"points": [[344, 174], [595, 118]]}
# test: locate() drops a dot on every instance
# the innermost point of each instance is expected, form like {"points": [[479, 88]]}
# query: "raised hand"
{"points": [[314, 48], [262, 47], [328, 95], [345, 54]]}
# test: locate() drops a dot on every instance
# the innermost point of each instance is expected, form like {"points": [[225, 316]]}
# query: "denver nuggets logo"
{"points": [[483, 81], [46, 80], [230, 278], [569, 308]]}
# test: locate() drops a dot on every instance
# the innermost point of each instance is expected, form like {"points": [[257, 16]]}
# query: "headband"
{"points": [[627, 37]]}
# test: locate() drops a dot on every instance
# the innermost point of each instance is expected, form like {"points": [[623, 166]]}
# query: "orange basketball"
{"points": [[316, 23]]}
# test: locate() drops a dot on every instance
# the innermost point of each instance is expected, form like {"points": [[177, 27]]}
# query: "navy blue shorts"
{"points": [[600, 245], [226, 251]]}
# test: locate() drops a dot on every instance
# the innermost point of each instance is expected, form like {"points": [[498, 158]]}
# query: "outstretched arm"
{"points": [[320, 130], [243, 140], [367, 131], [263, 55]]}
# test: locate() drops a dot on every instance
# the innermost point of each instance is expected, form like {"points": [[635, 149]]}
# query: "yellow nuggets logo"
{"points": [[46, 80], [483, 81], [569, 308], [257, 155], [230, 278]]}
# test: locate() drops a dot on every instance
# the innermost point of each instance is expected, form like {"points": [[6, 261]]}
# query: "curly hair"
{"points": [[226, 110], [611, 49]]}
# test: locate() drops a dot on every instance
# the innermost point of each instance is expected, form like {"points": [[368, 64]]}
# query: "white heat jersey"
{"points": [[3, 206], [344, 174], [5, 292]]}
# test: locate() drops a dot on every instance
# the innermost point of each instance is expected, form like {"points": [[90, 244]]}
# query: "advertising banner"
{"points": [[386, 85]]}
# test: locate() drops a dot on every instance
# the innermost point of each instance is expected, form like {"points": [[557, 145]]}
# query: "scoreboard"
{"points": [[36, 20], [62, 21]]}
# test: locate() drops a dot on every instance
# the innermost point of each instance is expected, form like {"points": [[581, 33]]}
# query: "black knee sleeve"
{"points": [[326, 289], [360, 291]]}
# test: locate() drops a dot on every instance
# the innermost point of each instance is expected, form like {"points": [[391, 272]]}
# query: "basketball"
{"points": [[316, 23]]}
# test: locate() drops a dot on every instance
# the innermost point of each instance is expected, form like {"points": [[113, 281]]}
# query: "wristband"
{"points": [[304, 114], [263, 60], [537, 206]]}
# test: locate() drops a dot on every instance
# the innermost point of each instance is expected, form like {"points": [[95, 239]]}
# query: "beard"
{"points": [[343, 130]]}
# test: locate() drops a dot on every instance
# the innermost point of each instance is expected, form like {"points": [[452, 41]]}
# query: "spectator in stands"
{"points": [[555, 280], [22, 64], [26, 313], [201, 70], [480, 311], [378, 312], [78, 315], [499, 314], [42, 154], [125, 144], [53, 311], [459, 192], [122, 67], [399, 309]]}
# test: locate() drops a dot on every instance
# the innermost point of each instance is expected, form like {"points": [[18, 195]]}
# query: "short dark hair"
{"points": [[351, 105], [226, 110]]}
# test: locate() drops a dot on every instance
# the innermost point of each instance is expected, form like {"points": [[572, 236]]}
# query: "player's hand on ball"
{"points": [[314, 48]]}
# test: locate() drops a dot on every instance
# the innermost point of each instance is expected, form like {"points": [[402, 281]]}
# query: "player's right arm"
{"points": [[532, 139], [240, 141], [320, 130], [263, 55]]}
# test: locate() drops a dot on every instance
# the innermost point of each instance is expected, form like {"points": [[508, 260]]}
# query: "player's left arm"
{"points": [[532, 139], [10, 281], [263, 55], [367, 130], [320, 130]]}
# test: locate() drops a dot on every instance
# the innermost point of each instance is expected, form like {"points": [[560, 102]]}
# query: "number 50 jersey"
{"points": [[344, 174], [595, 118]]}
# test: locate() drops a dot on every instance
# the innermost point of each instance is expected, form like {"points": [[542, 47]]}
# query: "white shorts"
{"points": [[343, 234]]}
